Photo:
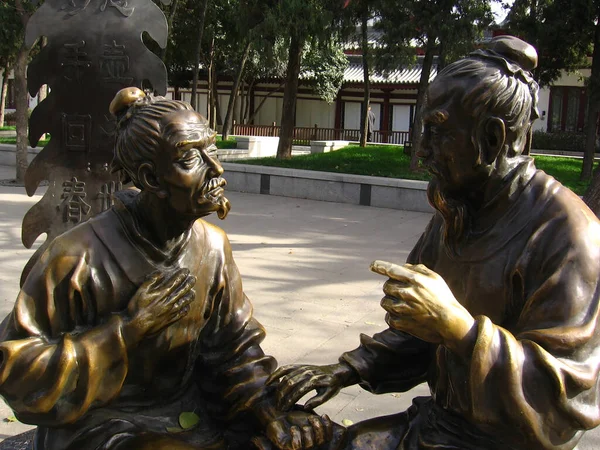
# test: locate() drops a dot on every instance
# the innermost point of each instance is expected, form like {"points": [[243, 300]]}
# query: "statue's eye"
{"points": [[189, 160]]}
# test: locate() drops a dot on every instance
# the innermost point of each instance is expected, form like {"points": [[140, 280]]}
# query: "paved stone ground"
{"points": [[305, 267]]}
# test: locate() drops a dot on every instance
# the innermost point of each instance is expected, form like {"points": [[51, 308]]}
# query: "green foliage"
{"points": [[455, 25], [327, 65], [561, 30], [229, 143], [558, 141], [11, 33]]}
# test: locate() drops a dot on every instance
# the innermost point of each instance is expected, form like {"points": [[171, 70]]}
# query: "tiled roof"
{"points": [[403, 75]]}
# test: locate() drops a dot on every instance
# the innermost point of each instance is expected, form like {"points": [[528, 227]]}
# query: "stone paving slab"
{"points": [[304, 265]]}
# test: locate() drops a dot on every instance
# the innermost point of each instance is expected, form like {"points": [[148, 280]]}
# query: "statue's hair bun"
{"points": [[515, 50], [124, 99]]}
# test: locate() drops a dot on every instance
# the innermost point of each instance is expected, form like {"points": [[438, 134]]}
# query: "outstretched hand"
{"points": [[295, 381], [419, 302]]}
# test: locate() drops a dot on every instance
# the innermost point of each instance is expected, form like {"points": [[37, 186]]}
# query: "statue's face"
{"points": [[188, 170], [447, 148]]}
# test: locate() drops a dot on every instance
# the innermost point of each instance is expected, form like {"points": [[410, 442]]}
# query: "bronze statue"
{"points": [[138, 315], [498, 308]]}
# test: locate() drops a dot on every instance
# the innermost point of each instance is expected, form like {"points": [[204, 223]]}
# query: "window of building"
{"points": [[567, 109]]}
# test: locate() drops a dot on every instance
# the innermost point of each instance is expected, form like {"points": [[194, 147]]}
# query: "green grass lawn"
{"points": [[390, 161], [229, 143], [13, 140]]}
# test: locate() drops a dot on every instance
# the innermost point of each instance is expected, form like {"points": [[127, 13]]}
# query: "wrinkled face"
{"points": [[447, 148], [188, 171]]}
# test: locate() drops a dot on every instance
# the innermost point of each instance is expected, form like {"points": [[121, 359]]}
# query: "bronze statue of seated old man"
{"points": [[498, 309], [138, 315]]}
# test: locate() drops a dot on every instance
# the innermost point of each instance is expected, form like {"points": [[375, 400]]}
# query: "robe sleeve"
{"points": [[232, 368], [53, 367], [540, 381]]}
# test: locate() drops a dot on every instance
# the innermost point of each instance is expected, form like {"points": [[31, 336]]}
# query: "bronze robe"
{"points": [[529, 274], [65, 365]]}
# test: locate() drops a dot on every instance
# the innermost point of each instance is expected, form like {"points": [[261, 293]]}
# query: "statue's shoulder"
{"points": [[211, 233], [82, 236]]}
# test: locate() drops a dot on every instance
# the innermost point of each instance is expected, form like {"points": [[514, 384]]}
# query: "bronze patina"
{"points": [[138, 315], [498, 306]]}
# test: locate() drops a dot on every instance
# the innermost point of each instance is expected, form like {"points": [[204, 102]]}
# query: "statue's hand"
{"points": [[295, 381], [300, 430], [419, 302], [161, 300]]}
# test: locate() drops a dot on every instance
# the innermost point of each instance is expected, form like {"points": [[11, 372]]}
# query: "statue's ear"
{"points": [[494, 138], [148, 180]]}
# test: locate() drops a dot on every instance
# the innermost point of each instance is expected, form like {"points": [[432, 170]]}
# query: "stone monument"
{"points": [[94, 49]]}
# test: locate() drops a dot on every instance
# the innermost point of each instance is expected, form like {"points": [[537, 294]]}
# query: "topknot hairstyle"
{"points": [[500, 84], [139, 128]]}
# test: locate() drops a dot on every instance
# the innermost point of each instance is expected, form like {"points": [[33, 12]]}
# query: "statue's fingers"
{"points": [[327, 427], [399, 302], [322, 429], [172, 279], [278, 434], [322, 396], [261, 443], [153, 279], [289, 394], [421, 268], [394, 271], [180, 291], [308, 437], [296, 438], [281, 372]]}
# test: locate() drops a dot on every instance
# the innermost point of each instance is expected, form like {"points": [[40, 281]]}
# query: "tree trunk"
{"points": [[22, 109], [234, 91], [3, 93], [163, 52], [421, 98], [262, 102], [290, 93], [592, 110], [249, 94], [242, 102], [198, 54], [367, 81], [592, 195]]}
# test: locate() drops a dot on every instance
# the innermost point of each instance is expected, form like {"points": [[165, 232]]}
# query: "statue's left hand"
{"points": [[297, 430], [420, 303]]}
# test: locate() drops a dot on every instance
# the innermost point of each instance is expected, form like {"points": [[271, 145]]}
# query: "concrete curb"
{"points": [[381, 192]]}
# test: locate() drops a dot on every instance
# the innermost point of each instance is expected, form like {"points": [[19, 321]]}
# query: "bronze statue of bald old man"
{"points": [[498, 306], [138, 315]]}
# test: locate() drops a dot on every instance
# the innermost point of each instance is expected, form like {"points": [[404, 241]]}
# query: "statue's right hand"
{"points": [[161, 300], [295, 381]]}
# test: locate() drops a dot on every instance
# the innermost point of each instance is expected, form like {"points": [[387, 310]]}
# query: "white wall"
{"points": [[544, 107], [270, 111], [401, 117], [351, 116], [310, 112]]}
